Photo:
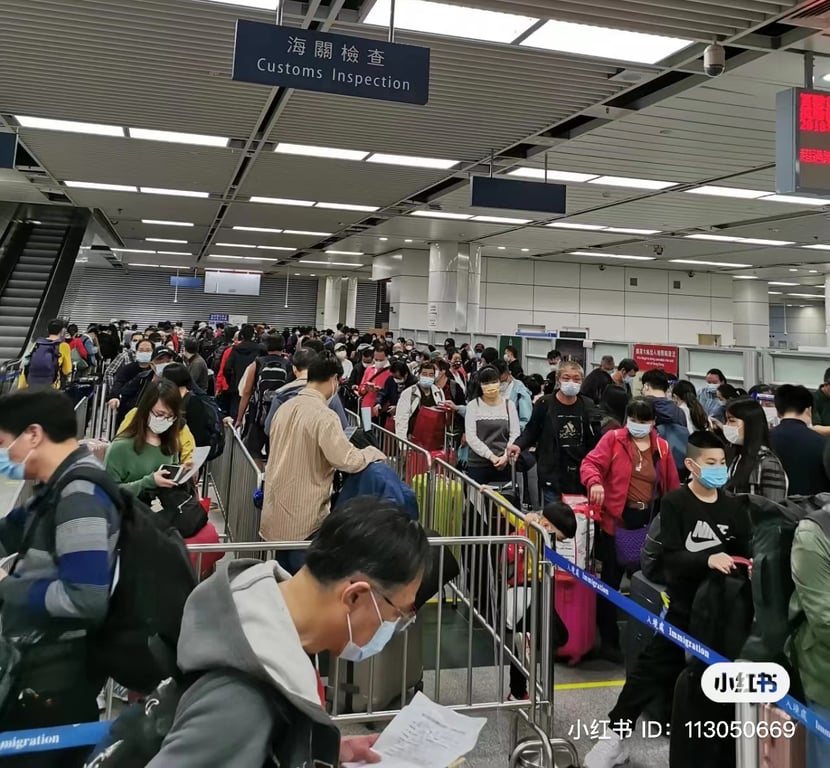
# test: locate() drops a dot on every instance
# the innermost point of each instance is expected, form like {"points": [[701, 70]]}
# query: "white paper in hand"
{"points": [[426, 735]]}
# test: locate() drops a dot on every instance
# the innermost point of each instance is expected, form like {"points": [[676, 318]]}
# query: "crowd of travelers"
{"points": [[665, 464]]}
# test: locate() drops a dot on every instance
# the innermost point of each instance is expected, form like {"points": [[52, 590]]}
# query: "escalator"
{"points": [[37, 255]]}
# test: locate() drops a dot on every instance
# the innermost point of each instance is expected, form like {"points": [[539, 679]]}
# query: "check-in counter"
{"points": [[794, 368], [618, 350], [738, 364]]}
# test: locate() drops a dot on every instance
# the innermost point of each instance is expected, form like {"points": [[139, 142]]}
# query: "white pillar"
{"points": [[351, 302], [751, 319], [331, 311], [474, 289], [448, 288]]}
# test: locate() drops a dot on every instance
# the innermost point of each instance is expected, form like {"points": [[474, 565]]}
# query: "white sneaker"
{"points": [[607, 753]]}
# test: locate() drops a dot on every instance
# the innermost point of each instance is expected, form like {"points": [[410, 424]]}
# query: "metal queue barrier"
{"points": [[9, 374], [235, 477]]}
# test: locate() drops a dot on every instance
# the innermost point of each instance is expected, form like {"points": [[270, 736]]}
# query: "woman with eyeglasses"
{"points": [[151, 440]]}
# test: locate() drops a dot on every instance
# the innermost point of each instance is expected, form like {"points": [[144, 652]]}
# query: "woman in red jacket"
{"points": [[626, 475]]}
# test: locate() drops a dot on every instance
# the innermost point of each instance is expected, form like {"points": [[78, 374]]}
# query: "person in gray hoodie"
{"points": [[250, 630]]}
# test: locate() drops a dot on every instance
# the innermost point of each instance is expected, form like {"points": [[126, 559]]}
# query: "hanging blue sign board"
{"points": [[218, 317], [186, 282], [308, 60]]}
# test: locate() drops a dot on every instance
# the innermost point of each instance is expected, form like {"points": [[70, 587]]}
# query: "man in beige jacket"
{"points": [[307, 445]]}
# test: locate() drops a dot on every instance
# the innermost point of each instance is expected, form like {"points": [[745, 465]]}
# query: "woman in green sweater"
{"points": [[152, 439]]}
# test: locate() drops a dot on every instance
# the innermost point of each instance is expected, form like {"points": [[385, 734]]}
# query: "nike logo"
{"points": [[701, 538]]}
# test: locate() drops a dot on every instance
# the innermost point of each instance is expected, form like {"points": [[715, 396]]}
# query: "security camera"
{"points": [[714, 60], [658, 250], [691, 273], [602, 267]]}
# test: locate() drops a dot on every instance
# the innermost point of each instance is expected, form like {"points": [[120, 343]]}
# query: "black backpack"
{"points": [[155, 578], [271, 375], [215, 360], [214, 422], [722, 612], [43, 365]]}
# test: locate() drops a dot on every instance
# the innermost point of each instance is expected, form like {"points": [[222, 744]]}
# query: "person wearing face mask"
{"points": [[129, 395], [252, 631], [195, 364], [511, 357], [401, 378], [67, 536], [516, 391], [307, 445], [702, 530], [755, 467], [457, 371], [491, 426], [423, 393], [374, 379], [708, 394], [342, 355], [563, 427], [626, 475], [124, 358], [140, 363], [554, 360], [151, 437], [473, 362]]}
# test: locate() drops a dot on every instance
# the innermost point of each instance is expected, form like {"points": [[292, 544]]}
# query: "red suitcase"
{"points": [[576, 605]]}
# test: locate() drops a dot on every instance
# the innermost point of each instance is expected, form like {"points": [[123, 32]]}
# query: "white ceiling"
{"points": [[165, 64]]}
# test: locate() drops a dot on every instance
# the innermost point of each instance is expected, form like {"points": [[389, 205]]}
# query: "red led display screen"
{"points": [[803, 142]]}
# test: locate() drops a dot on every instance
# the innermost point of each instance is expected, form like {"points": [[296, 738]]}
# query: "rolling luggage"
{"points": [[446, 515], [204, 563], [781, 752]]}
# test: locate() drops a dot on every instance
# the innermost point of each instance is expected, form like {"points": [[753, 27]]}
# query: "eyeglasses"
{"points": [[405, 618], [167, 416]]}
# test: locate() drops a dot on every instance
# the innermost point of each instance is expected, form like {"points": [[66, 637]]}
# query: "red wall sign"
{"points": [[649, 356]]}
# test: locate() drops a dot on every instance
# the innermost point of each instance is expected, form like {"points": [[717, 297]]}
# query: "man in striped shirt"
{"points": [[307, 444], [60, 585]]}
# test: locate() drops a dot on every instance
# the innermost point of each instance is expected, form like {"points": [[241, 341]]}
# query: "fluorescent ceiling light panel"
{"points": [[625, 181], [308, 150], [259, 229], [785, 284], [70, 126], [345, 253], [795, 200], [348, 207], [307, 233], [163, 240], [613, 256], [500, 220], [744, 277], [714, 191], [604, 43], [413, 162], [741, 240], [383, 239], [817, 247], [177, 137], [442, 215], [282, 201], [96, 185], [165, 223], [277, 247], [173, 253], [265, 5], [539, 173], [575, 225], [439, 19], [235, 245], [774, 293], [172, 192], [331, 263], [632, 231], [807, 295], [726, 264], [224, 256], [131, 250]]}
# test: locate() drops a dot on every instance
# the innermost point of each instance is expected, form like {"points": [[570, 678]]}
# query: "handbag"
{"points": [[179, 508], [628, 545]]}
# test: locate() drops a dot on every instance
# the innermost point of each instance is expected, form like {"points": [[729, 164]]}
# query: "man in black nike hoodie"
{"points": [[702, 529]]}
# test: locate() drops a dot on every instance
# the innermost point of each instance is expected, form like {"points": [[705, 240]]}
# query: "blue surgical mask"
{"points": [[385, 632], [9, 468], [570, 388], [426, 381], [143, 357], [713, 476], [637, 430], [629, 380]]}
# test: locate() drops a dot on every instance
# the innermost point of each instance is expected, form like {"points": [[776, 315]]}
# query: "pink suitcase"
{"points": [[781, 752], [576, 605], [208, 535]]}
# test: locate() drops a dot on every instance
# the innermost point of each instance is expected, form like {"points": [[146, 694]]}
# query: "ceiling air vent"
{"points": [[816, 16]]}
